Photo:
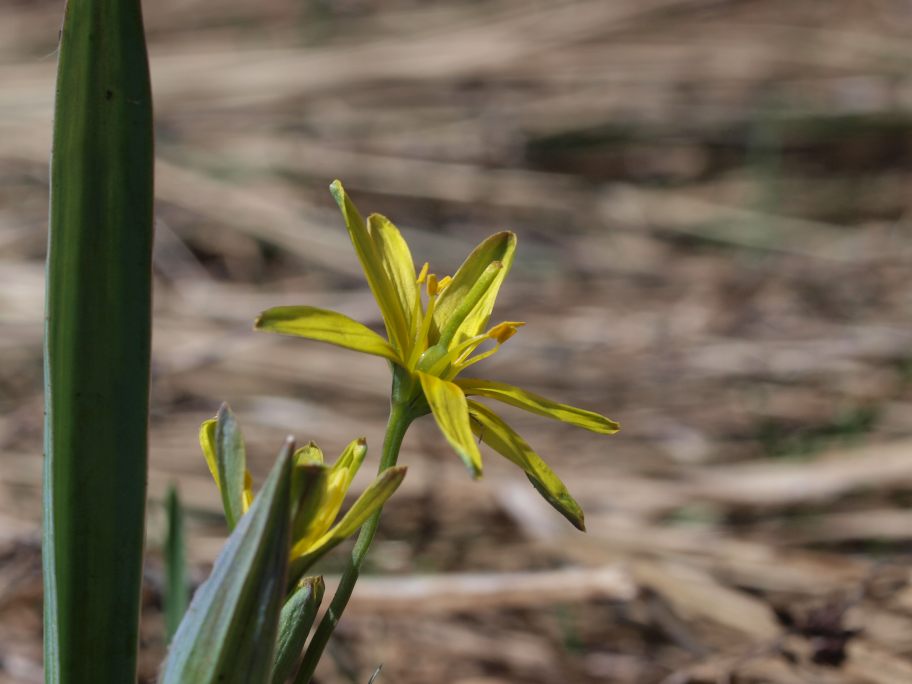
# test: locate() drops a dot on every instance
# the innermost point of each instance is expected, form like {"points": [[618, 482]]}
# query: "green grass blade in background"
{"points": [[97, 344], [176, 594], [228, 635], [295, 622]]}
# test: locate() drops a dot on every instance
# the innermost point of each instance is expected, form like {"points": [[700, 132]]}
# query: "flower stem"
{"points": [[400, 418]]}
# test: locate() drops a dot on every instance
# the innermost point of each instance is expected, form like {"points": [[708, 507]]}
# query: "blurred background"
{"points": [[713, 207]]}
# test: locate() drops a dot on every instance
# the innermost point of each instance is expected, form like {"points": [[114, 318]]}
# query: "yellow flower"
{"points": [[431, 339], [318, 490]]}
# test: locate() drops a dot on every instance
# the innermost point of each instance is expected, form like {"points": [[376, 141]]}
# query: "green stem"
{"points": [[400, 418]]}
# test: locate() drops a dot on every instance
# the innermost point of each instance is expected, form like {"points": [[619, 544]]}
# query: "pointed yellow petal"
{"points": [[397, 262], [207, 443], [494, 432], [325, 326], [376, 271], [351, 458], [499, 248], [534, 403], [448, 404]]}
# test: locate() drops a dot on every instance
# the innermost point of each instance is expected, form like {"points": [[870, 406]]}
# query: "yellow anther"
{"points": [[432, 286], [424, 272], [446, 280], [504, 331]]}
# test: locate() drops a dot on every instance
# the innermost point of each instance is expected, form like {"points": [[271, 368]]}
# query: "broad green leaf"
{"points": [[228, 635], [397, 262], [494, 432], [97, 343], [326, 326], [450, 307], [376, 271], [534, 403], [448, 405], [371, 499], [295, 621], [231, 459], [176, 592]]}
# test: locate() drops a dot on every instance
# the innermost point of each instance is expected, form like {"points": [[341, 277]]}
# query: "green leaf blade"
{"points": [[97, 344], [229, 633]]}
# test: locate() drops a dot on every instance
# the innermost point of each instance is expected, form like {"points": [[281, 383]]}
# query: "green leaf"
{"points": [[494, 432], [295, 622], [176, 593], [231, 459], [325, 326], [97, 342], [228, 635], [534, 403], [448, 405]]}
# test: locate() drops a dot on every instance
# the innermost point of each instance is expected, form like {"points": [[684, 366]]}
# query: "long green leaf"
{"points": [[295, 622], [97, 344], [228, 635], [176, 594]]}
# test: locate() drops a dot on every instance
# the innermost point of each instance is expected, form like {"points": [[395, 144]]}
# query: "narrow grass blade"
{"points": [[231, 461], [97, 341], [176, 595], [228, 635], [295, 622]]}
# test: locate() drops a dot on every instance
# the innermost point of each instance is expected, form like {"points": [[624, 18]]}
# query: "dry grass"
{"points": [[713, 210]]}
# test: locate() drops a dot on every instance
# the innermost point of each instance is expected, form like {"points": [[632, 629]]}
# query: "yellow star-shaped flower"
{"points": [[431, 339]]}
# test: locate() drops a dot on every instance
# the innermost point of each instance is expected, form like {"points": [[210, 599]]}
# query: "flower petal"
{"points": [[494, 432], [306, 554], [308, 491], [351, 459], [207, 444], [325, 326], [397, 262], [376, 271], [499, 247], [448, 404], [534, 403]]}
